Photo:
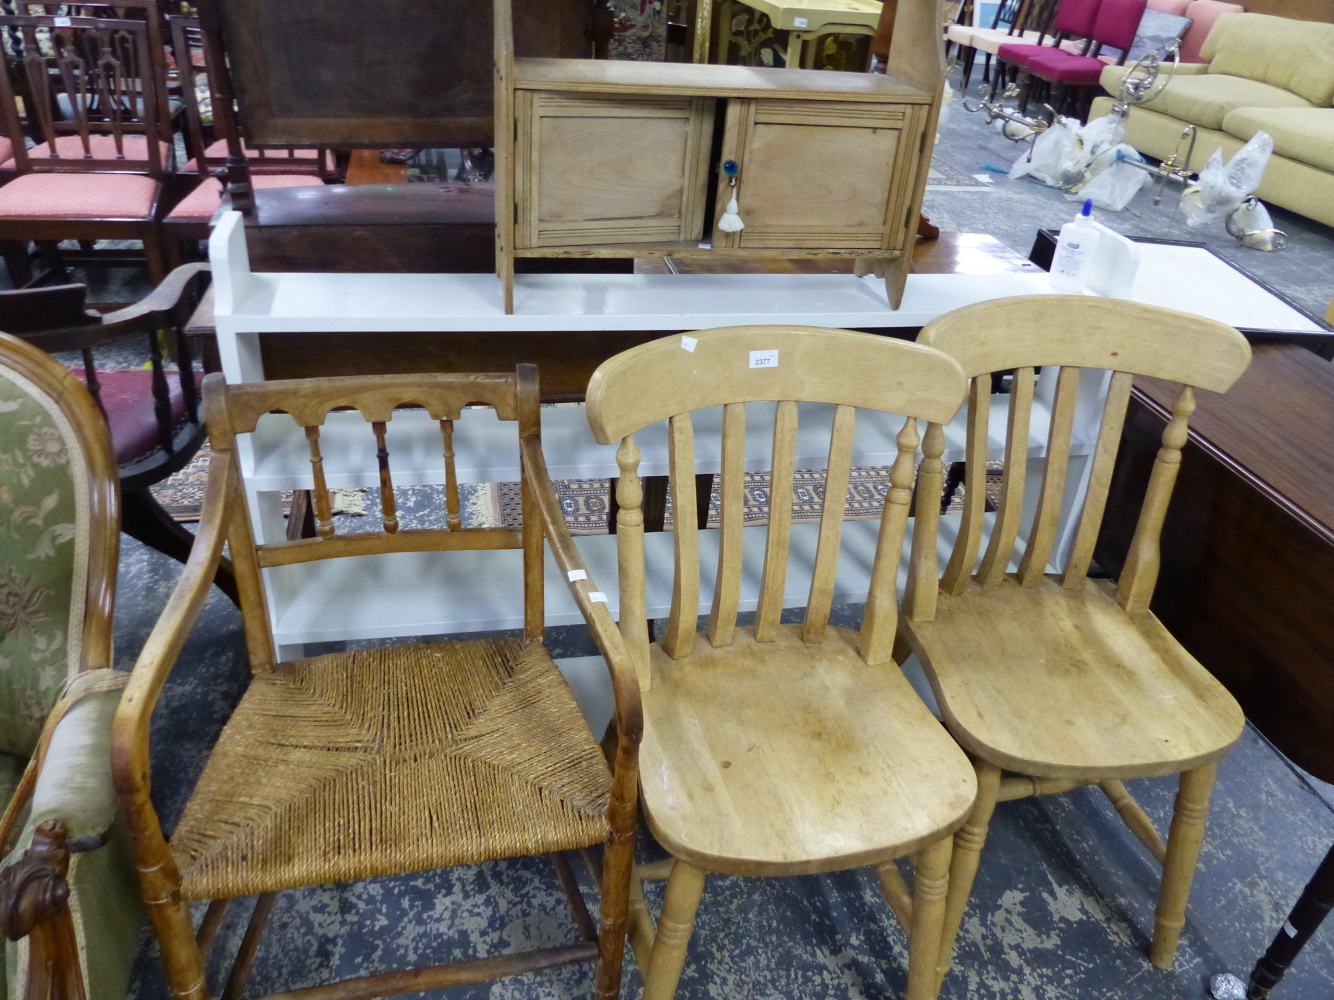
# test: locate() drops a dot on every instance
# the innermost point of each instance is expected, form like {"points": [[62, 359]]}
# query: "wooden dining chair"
{"points": [[780, 749], [1058, 678], [97, 168], [153, 412], [386, 761]]}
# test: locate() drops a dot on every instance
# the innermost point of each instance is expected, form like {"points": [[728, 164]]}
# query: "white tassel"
{"points": [[731, 222]]}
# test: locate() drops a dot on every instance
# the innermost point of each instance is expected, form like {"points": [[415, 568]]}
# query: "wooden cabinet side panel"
{"points": [[904, 201]]}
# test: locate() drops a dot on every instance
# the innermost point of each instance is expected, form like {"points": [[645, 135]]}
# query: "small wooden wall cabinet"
{"points": [[624, 159]]}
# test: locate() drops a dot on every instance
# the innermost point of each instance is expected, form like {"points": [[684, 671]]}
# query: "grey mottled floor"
{"points": [[1063, 904]]}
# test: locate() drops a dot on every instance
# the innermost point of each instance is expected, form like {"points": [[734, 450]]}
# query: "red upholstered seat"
{"points": [[127, 397], [1062, 67], [200, 204], [102, 147], [1073, 17], [78, 196], [269, 159]]}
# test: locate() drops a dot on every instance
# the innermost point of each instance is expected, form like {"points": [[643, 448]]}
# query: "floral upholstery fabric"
{"points": [[78, 196], [43, 560]]}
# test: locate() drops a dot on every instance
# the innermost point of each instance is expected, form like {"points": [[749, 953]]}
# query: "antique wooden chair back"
{"points": [[107, 72], [236, 409], [194, 68], [667, 379], [1072, 333]]}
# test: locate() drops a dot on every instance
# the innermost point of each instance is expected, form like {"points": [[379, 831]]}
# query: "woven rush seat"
{"points": [[385, 761]]}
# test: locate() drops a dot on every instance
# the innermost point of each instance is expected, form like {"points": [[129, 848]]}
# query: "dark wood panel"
{"points": [[381, 73], [1247, 581], [1276, 425], [566, 360]]}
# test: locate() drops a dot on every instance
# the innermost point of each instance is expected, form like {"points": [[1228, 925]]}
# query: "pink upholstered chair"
{"points": [[1075, 77], [190, 220], [1026, 21], [1202, 14], [97, 173], [1073, 25]]}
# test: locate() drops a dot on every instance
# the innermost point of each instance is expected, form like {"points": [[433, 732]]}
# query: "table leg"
{"points": [[702, 30], [1312, 907], [794, 40]]}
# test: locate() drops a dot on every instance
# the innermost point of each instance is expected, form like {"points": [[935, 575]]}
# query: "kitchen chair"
{"points": [[67, 895], [1062, 679], [780, 749], [97, 169], [153, 413], [1072, 27], [386, 761]]}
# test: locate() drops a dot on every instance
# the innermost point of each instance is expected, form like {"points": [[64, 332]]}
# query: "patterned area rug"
{"points": [[585, 501]]}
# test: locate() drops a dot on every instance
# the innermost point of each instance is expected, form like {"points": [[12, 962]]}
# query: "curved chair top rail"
{"points": [[309, 401], [744, 364], [1017, 333]]}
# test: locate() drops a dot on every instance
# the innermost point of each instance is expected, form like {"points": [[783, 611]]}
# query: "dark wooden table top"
{"points": [[1275, 427]]}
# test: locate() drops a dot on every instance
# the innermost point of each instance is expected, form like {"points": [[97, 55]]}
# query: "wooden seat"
{"points": [[386, 761], [783, 758], [1063, 679], [1072, 686], [313, 750], [780, 749]]}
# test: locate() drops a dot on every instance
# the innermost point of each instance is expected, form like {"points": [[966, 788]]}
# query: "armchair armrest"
{"points": [[160, 300], [625, 685]]}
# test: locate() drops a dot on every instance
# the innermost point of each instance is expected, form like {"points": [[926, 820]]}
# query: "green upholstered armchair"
{"points": [[69, 907]]}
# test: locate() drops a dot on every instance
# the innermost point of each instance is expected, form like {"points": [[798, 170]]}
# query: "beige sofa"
{"points": [[1262, 73]]}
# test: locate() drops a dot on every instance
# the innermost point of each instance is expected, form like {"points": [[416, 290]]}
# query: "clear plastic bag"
{"points": [[1053, 158], [1114, 181], [1221, 189], [1062, 154]]}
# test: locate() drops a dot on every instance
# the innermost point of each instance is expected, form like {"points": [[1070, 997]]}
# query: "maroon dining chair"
{"points": [[1074, 20], [1074, 78]]}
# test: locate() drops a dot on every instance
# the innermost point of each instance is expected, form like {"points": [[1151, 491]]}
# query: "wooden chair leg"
{"points": [[968, 843], [685, 886], [618, 865], [143, 519], [928, 918], [1316, 901], [1183, 851]]}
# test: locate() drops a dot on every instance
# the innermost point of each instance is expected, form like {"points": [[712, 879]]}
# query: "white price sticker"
{"points": [[597, 597], [62, 22], [688, 344], [576, 574], [764, 359], [1288, 929], [799, 22]]}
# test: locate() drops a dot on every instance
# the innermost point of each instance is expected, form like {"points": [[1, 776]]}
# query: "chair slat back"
{"points": [[1064, 335], [670, 378], [233, 410], [104, 69], [193, 69]]}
